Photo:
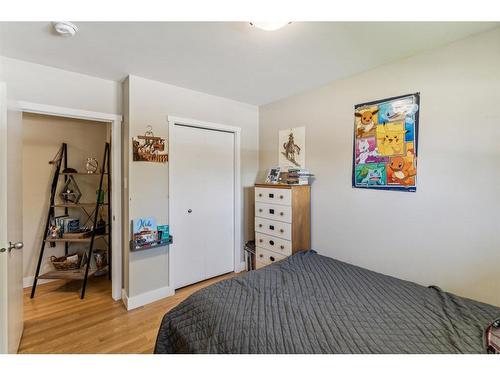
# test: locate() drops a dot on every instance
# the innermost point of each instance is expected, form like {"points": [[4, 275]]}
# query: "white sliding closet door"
{"points": [[201, 203]]}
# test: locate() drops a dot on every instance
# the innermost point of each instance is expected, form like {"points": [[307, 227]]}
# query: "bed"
{"points": [[309, 303]]}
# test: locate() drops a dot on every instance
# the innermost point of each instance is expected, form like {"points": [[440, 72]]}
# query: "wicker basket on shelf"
{"points": [[66, 263]]}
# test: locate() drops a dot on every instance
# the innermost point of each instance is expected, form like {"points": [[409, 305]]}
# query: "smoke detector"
{"points": [[65, 28]]}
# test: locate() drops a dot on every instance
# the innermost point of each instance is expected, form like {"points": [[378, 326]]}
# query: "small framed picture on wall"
{"points": [[273, 175]]}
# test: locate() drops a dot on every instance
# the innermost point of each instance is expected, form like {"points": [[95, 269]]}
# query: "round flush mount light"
{"points": [[65, 28], [269, 25]]}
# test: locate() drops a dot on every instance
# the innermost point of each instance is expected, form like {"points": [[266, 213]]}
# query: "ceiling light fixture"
{"points": [[269, 25], [65, 28]]}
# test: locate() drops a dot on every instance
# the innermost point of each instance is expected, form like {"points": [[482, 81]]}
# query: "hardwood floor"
{"points": [[57, 321]]}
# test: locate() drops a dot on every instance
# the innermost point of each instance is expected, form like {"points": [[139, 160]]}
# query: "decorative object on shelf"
{"points": [[385, 144], [163, 232], [147, 147], [145, 230], [54, 232], [273, 175], [65, 263], [100, 258], [147, 235], [100, 195], [70, 225], [100, 227], [70, 193], [292, 148], [56, 228], [92, 166]]}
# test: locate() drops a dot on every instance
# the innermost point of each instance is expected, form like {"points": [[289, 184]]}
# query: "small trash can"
{"points": [[250, 255]]}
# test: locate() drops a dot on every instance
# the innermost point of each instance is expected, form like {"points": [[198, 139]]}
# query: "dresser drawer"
{"points": [[267, 257], [273, 212], [277, 245], [273, 195], [274, 228]]}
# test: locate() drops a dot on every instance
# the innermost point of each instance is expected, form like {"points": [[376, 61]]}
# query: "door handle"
{"points": [[17, 245]]}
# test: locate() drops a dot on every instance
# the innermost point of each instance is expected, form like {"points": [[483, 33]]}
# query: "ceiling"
{"points": [[229, 59]]}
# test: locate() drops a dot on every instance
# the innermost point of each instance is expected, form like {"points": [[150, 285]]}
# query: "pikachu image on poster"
{"points": [[391, 139]]}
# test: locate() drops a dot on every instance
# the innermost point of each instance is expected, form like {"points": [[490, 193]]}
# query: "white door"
{"points": [[201, 174], [11, 257]]}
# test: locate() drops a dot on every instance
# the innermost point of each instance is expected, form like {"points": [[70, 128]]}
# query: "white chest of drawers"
{"points": [[282, 221]]}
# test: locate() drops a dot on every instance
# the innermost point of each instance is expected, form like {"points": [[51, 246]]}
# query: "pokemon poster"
{"points": [[385, 144]]}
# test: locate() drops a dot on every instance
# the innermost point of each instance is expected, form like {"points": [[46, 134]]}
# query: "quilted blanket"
{"points": [[309, 303]]}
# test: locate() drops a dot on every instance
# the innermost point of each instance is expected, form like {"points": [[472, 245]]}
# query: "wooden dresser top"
{"points": [[280, 186]]}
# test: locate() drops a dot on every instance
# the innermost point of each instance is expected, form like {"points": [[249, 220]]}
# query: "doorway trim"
{"points": [[116, 173], [238, 265]]}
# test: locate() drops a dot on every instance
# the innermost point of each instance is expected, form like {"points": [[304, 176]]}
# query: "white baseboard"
{"points": [[145, 298], [28, 281]]}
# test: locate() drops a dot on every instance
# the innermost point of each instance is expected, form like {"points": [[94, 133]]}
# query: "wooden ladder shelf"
{"points": [[84, 272]]}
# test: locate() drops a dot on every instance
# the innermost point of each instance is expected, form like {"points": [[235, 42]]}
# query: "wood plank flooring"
{"points": [[57, 321]]}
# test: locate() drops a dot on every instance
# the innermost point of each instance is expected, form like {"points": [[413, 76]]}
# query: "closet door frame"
{"points": [[238, 265], [115, 122]]}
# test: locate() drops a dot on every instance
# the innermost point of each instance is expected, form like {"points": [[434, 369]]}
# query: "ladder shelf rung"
{"points": [[80, 174], [78, 274], [69, 205], [86, 239]]}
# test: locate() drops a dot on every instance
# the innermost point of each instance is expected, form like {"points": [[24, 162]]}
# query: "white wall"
{"points": [[149, 103], [45, 85], [447, 232], [42, 138]]}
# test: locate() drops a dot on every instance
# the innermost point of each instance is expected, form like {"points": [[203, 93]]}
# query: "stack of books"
{"points": [[298, 176]]}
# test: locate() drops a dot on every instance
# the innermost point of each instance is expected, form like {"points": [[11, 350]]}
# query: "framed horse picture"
{"points": [[292, 148]]}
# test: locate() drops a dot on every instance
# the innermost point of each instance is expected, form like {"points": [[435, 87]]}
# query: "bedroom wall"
{"points": [[446, 233], [149, 103], [42, 137], [36, 83]]}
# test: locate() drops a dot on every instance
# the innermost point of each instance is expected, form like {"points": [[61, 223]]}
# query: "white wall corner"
{"points": [[145, 298], [125, 298]]}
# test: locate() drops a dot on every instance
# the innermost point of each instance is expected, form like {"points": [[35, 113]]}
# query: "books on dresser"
{"points": [[282, 221]]}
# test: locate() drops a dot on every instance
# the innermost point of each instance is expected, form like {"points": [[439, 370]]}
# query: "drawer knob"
{"points": [[260, 240], [260, 195], [281, 197], [260, 225], [271, 242], [282, 247], [282, 231], [261, 255], [271, 259], [281, 213], [260, 209]]}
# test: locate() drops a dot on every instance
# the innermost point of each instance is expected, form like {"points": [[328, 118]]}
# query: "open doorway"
{"points": [[112, 124], [62, 155]]}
